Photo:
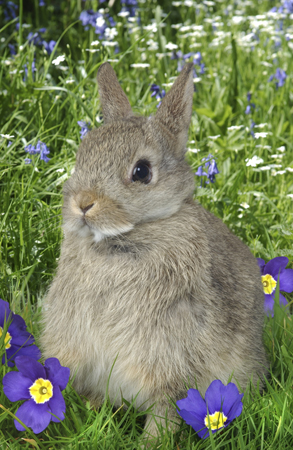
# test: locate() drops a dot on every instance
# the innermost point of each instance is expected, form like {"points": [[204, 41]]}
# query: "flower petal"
{"points": [[56, 373], [194, 421], [9, 363], [33, 415], [16, 386], [18, 322], [275, 265], [261, 263], [4, 311], [30, 368], [193, 403], [18, 332], [269, 305], [282, 300], [236, 409], [33, 351], [231, 397], [214, 396], [286, 280], [57, 404]]}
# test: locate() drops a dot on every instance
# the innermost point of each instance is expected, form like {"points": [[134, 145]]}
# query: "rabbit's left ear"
{"points": [[115, 104], [174, 113]]}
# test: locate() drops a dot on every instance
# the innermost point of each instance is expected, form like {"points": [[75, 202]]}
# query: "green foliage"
{"points": [[255, 202]]}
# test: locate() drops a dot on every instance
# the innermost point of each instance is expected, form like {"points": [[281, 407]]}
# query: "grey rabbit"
{"points": [[149, 283]]}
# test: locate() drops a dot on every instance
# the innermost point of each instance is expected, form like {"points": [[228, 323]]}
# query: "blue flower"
{"points": [[212, 169], [12, 49], [96, 20], [33, 69], [42, 3], [85, 128], [17, 340], [288, 4], [10, 11], [248, 109], [88, 17], [280, 76], [49, 46], [156, 91], [41, 149], [221, 405], [197, 58], [197, 61], [41, 386], [252, 125], [130, 6], [36, 37], [270, 272], [250, 105]]}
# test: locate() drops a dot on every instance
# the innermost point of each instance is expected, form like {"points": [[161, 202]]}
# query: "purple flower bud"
{"points": [[85, 128]]}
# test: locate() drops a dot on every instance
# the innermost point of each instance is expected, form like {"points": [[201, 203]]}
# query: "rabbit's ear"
{"points": [[175, 110], [115, 104]]}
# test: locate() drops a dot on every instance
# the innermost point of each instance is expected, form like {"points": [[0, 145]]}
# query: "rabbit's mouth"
{"points": [[95, 217]]}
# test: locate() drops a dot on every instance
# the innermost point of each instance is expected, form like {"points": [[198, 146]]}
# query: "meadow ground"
{"points": [[50, 52]]}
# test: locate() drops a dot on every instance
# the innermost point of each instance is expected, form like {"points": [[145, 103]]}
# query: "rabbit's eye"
{"points": [[142, 172]]}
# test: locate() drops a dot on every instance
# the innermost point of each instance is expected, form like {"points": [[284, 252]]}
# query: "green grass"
{"points": [[48, 104]]}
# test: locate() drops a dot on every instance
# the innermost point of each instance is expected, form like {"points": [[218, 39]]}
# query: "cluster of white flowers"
{"points": [[254, 161]]}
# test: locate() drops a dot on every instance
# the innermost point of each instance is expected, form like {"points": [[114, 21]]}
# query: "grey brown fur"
{"points": [[147, 277]]}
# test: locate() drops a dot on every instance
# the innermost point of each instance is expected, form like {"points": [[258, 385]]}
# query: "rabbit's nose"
{"points": [[84, 210]]}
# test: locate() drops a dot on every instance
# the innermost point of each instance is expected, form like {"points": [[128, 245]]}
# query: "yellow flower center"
{"points": [[41, 391], [269, 284], [217, 420], [7, 338]]}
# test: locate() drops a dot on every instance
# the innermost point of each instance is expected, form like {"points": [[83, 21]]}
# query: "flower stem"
{"points": [[20, 23]]}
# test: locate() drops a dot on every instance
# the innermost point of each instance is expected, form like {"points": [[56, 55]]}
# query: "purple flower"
{"points": [[42, 3], [36, 37], [85, 128], [200, 172], [33, 69], [88, 18], [41, 386], [130, 6], [177, 55], [156, 91], [96, 20], [17, 340], [288, 4], [250, 105], [12, 49], [269, 276], [197, 58], [10, 11], [248, 109], [221, 405], [252, 125], [212, 169], [49, 46], [41, 149], [280, 76]]}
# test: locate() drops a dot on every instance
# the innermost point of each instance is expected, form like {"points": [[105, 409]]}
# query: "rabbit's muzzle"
{"points": [[96, 216]]}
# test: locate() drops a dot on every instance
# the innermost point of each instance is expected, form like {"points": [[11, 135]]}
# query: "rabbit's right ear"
{"points": [[115, 104], [174, 114]]}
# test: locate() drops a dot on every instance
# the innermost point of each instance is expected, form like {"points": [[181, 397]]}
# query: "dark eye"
{"points": [[142, 172]]}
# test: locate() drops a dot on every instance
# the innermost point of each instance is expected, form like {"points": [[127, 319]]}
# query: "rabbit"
{"points": [[152, 292]]}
